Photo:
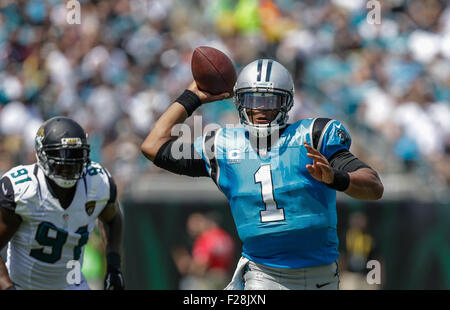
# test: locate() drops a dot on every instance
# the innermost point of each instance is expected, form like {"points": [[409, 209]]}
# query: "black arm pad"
{"points": [[346, 161], [186, 166]]}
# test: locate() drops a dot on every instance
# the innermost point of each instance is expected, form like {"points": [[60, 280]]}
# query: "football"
{"points": [[213, 71]]}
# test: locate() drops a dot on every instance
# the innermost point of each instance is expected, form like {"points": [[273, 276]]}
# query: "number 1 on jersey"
{"points": [[271, 212]]}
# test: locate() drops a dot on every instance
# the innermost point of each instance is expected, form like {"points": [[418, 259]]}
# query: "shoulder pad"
{"points": [[99, 182], [23, 181], [318, 127]]}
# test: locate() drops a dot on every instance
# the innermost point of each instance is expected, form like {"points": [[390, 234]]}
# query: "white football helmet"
{"points": [[264, 84]]}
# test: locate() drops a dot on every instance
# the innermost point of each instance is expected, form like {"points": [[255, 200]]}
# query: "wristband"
{"points": [[189, 101], [341, 180], [113, 260]]}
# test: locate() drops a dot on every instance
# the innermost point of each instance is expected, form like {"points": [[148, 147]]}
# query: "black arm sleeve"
{"points": [[344, 160], [186, 166], [7, 194]]}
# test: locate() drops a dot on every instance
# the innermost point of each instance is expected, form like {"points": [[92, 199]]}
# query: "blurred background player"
{"points": [[359, 248], [280, 179], [48, 210], [210, 261]]}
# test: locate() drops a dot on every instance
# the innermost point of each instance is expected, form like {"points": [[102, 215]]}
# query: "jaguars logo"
{"points": [[343, 136], [89, 207], [39, 137]]}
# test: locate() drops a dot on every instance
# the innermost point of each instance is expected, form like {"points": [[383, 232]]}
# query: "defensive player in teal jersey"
{"points": [[280, 179]]}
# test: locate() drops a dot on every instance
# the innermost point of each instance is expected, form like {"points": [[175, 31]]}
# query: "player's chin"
{"points": [[262, 121], [259, 119]]}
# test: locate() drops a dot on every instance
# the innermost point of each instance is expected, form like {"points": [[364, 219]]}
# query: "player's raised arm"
{"points": [[214, 77], [177, 113]]}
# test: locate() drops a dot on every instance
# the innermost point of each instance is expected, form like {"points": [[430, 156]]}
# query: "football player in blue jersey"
{"points": [[280, 179]]}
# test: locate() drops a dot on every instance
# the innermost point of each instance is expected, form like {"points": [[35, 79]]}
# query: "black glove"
{"points": [[114, 279]]}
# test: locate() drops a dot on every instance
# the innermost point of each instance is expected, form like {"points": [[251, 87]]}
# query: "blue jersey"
{"points": [[284, 217]]}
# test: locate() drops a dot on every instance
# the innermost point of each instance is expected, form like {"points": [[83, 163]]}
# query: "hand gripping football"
{"points": [[212, 70]]}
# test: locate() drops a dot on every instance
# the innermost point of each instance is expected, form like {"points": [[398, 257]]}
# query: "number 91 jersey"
{"points": [[284, 217], [50, 236]]}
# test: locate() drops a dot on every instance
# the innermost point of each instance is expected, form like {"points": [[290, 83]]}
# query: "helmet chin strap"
{"points": [[58, 181], [262, 130]]}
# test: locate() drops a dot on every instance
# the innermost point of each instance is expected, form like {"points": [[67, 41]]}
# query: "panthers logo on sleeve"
{"points": [[344, 138], [329, 136]]}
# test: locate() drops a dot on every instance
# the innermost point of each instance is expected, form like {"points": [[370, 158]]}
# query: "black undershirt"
{"points": [[64, 195], [195, 167]]}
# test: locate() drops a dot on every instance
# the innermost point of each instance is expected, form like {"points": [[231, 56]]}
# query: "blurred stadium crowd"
{"points": [[127, 60]]}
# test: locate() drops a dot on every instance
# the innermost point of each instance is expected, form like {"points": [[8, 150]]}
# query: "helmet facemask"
{"points": [[250, 104], [64, 163]]}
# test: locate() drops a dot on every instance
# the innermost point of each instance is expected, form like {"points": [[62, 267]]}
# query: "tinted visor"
{"points": [[68, 154], [262, 101], [67, 162]]}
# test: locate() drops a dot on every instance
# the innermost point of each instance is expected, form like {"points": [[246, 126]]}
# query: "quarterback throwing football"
{"points": [[48, 209], [280, 179]]}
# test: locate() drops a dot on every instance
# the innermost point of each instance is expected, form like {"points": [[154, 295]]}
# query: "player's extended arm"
{"points": [[175, 114], [363, 184], [111, 218], [9, 223]]}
